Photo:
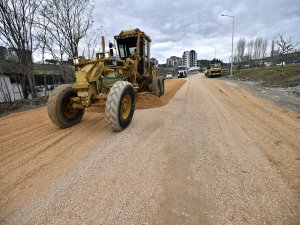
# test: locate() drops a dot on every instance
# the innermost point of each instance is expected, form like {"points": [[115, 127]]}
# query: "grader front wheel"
{"points": [[60, 109], [120, 105]]}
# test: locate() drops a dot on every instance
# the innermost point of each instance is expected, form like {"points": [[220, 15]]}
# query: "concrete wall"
{"points": [[9, 91]]}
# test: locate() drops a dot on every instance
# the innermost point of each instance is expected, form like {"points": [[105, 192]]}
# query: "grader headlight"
{"points": [[75, 61]]}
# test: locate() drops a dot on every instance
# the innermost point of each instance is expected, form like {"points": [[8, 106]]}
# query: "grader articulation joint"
{"points": [[109, 81]]}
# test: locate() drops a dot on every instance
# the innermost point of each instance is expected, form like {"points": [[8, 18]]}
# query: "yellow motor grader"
{"points": [[109, 80]]}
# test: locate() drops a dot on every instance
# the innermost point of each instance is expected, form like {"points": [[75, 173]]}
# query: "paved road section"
{"points": [[213, 155]]}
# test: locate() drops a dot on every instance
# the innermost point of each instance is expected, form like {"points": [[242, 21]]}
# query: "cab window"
{"points": [[127, 47]]}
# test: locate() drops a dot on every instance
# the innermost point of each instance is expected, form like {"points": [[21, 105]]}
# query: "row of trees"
{"points": [[61, 28], [255, 50]]}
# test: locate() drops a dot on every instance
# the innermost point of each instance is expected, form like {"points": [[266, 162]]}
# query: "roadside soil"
{"points": [[215, 154], [287, 97], [21, 105]]}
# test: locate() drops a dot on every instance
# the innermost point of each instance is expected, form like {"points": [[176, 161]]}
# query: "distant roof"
{"points": [[11, 67], [52, 69]]}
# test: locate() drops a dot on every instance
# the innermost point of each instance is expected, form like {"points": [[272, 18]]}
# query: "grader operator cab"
{"points": [[109, 81]]}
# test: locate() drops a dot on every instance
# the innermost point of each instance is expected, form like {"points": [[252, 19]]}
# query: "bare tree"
{"points": [[42, 37], [257, 47], [250, 50], [235, 57], [259, 50], [92, 42], [52, 38], [264, 48], [285, 46], [69, 21], [272, 48], [16, 31], [240, 51]]}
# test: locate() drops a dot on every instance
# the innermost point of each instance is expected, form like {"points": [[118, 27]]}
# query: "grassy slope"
{"points": [[278, 76]]}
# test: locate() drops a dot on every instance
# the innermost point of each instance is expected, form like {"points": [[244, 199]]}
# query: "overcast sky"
{"points": [[176, 25]]}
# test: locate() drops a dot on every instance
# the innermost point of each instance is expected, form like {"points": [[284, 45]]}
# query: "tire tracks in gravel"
{"points": [[223, 173], [42, 158], [44, 139]]}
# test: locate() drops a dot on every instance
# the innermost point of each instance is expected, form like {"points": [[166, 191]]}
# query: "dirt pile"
{"points": [[21, 105], [146, 100]]}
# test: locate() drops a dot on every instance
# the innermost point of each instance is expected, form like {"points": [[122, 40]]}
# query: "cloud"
{"points": [[176, 26]]}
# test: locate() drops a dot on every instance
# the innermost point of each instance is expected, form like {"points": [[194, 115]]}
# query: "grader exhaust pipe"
{"points": [[103, 44]]}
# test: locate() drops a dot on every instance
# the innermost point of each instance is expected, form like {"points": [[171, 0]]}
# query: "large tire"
{"points": [[155, 86], [161, 86], [120, 105], [60, 109]]}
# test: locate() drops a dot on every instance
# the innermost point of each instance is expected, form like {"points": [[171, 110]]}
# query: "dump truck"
{"points": [[214, 69], [110, 80]]}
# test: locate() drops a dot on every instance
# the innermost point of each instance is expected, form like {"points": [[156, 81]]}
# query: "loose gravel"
{"points": [[214, 154]]}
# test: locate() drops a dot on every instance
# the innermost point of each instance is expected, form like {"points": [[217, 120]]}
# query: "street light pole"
{"points": [[231, 41], [215, 51]]}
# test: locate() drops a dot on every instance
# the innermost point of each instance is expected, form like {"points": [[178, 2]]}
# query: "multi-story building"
{"points": [[174, 61], [186, 59], [193, 58], [189, 58]]}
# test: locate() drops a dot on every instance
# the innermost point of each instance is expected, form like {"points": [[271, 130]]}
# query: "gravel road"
{"points": [[214, 154]]}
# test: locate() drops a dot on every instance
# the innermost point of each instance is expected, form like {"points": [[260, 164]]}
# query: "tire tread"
{"points": [[112, 104]]}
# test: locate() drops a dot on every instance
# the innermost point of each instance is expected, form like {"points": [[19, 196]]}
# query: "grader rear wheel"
{"points": [[60, 109], [155, 86], [161, 86], [120, 105]]}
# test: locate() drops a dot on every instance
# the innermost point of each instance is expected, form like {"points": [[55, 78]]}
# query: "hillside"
{"points": [[277, 76]]}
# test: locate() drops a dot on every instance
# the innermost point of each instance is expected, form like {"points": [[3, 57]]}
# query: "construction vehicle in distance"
{"points": [[182, 71], [214, 69], [109, 81]]}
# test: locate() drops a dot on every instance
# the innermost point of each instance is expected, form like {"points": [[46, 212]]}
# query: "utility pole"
{"points": [[215, 51], [231, 41]]}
